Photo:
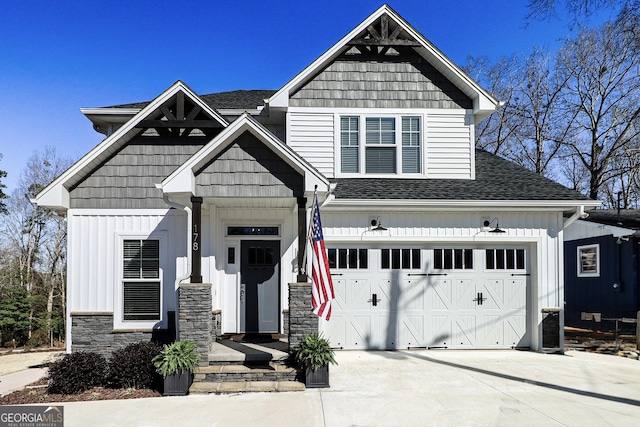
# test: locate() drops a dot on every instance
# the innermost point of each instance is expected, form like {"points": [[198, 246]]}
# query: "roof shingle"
{"points": [[496, 179]]}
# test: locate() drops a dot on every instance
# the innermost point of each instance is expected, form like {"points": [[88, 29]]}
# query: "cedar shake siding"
{"points": [[247, 168], [127, 180], [407, 81]]}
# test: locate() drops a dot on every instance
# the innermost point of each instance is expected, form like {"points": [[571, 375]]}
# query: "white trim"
{"points": [[118, 304], [579, 269], [540, 205], [483, 102], [182, 180], [56, 194]]}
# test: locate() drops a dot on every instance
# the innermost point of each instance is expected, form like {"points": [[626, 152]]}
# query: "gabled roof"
{"points": [[498, 182], [484, 104], [56, 194], [182, 180]]}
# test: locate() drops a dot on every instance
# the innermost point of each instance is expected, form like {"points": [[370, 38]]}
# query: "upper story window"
{"points": [[389, 145]]}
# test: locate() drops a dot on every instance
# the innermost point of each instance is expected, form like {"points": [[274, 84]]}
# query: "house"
{"points": [[190, 218], [602, 280]]}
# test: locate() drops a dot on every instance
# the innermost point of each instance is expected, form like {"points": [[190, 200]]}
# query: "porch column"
{"points": [[302, 238], [194, 317], [196, 247]]}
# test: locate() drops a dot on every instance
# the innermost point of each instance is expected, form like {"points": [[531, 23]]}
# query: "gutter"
{"points": [[580, 214]]}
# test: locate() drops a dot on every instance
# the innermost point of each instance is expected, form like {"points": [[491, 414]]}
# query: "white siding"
{"points": [[311, 136], [226, 277], [94, 271], [539, 231], [448, 147]]}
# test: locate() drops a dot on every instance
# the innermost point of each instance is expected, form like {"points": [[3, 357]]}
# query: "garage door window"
{"points": [[505, 259], [400, 259], [348, 258], [453, 259]]}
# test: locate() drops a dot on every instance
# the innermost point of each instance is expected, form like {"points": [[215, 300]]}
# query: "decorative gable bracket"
{"points": [[179, 117]]}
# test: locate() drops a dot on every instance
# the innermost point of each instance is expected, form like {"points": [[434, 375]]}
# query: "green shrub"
{"points": [[314, 351], [77, 372], [179, 357], [132, 366]]}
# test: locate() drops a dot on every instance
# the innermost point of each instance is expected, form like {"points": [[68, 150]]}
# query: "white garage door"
{"points": [[391, 298]]}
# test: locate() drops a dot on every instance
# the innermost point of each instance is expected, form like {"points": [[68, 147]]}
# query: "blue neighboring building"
{"points": [[601, 259]]}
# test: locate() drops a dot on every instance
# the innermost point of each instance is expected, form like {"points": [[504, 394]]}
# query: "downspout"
{"points": [[580, 214], [187, 209]]}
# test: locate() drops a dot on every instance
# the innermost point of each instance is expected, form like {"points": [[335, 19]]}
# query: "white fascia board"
{"points": [[539, 205], [103, 150], [483, 102], [114, 111], [56, 198]]}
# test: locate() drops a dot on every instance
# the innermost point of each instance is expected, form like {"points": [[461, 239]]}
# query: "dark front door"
{"points": [[260, 286]]}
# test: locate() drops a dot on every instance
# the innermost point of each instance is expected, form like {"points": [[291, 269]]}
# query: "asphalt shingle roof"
{"points": [[236, 99], [629, 218], [496, 179]]}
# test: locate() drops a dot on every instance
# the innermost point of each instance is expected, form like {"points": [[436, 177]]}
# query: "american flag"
{"points": [[321, 284]]}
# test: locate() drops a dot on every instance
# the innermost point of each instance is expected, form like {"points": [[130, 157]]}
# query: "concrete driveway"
{"points": [[413, 388]]}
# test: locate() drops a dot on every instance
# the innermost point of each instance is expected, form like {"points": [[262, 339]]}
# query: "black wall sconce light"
{"points": [[497, 229], [376, 224]]}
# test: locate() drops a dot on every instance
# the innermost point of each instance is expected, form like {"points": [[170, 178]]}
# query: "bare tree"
{"points": [[577, 9], [35, 238], [495, 133], [3, 196], [528, 128], [601, 99]]}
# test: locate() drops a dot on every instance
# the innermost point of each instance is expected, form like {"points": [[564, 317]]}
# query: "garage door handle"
{"points": [[520, 274], [374, 300], [436, 274], [479, 298]]}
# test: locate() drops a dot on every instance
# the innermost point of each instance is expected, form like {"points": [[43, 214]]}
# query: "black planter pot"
{"points": [[178, 384], [317, 378]]}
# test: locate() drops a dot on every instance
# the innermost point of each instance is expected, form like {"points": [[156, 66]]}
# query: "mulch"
{"points": [[36, 393]]}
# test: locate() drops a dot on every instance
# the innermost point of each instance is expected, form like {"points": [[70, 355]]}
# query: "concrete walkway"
{"points": [[18, 380], [412, 388]]}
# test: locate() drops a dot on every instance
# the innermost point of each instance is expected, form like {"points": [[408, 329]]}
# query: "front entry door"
{"points": [[259, 286]]}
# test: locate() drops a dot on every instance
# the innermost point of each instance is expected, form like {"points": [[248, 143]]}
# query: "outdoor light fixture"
{"points": [[488, 223], [376, 225]]}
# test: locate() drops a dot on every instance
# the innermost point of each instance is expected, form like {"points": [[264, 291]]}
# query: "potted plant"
{"points": [[315, 354], [176, 363]]}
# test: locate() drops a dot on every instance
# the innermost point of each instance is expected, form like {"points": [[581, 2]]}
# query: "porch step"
{"points": [[273, 372], [233, 352], [245, 386]]}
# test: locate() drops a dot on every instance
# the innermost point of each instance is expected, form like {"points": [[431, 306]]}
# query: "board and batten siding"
{"points": [[227, 275], [93, 268], [449, 146], [540, 232], [311, 135]]}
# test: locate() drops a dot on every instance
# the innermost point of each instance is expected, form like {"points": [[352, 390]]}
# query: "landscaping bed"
{"points": [[36, 393]]}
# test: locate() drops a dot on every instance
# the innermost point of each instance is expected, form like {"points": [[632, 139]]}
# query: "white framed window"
{"points": [[588, 261], [389, 144], [139, 291]]}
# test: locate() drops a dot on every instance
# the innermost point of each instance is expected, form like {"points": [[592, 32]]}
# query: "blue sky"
{"points": [[59, 56]]}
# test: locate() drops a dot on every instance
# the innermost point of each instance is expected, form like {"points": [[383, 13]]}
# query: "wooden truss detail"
{"points": [[179, 117], [378, 39]]}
